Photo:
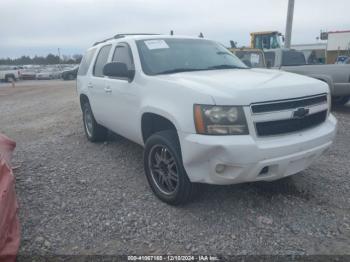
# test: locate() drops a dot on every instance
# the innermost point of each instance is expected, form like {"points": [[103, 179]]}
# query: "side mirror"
{"points": [[116, 69]]}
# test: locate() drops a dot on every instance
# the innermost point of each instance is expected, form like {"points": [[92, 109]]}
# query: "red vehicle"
{"points": [[9, 223]]}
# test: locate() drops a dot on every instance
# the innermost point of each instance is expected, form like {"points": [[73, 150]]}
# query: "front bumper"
{"points": [[245, 157]]}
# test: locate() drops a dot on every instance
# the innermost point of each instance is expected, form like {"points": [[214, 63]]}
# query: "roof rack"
{"points": [[121, 36]]}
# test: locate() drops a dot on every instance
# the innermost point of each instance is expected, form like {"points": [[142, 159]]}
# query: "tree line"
{"points": [[50, 59]]}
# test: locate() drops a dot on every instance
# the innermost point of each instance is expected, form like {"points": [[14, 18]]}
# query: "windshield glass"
{"points": [[166, 56]]}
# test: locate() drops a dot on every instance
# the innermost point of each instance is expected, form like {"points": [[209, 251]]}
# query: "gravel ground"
{"points": [[82, 198]]}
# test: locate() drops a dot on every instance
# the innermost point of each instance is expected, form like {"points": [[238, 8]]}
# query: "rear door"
{"points": [[83, 76], [96, 86]]}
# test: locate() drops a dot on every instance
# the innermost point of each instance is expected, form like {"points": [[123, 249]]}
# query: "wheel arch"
{"points": [[83, 98], [152, 122]]}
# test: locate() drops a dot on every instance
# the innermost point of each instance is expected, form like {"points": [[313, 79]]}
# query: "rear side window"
{"points": [[293, 58], [123, 54], [85, 62], [101, 60]]}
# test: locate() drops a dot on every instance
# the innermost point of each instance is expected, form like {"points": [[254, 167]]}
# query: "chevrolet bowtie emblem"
{"points": [[301, 112]]}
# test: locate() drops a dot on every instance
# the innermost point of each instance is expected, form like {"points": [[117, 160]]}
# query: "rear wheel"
{"points": [[340, 100], [164, 169], [94, 132]]}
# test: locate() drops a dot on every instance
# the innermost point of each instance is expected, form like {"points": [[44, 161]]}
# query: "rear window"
{"points": [[86, 61], [293, 58], [251, 58], [270, 59]]}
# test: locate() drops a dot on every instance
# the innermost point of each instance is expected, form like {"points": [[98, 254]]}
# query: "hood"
{"points": [[246, 86]]}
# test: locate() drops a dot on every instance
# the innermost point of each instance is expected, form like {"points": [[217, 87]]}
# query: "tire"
{"points": [[340, 100], [94, 132], [164, 169]]}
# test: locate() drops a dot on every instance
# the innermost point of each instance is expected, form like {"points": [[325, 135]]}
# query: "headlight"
{"points": [[220, 120]]}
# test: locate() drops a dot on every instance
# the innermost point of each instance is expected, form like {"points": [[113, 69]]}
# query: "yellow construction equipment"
{"points": [[266, 40]]}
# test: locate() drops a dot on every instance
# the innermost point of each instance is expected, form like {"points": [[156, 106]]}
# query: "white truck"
{"points": [[200, 113], [8, 73]]}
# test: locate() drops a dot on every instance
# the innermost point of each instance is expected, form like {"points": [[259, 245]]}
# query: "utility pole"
{"points": [[289, 24], [59, 58]]}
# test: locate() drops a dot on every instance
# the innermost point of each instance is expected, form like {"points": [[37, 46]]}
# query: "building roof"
{"points": [[311, 46], [339, 32]]}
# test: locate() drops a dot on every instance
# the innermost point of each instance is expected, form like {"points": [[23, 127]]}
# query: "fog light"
{"points": [[220, 168]]}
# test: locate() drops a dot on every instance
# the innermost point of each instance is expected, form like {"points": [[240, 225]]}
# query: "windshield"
{"points": [[166, 56]]}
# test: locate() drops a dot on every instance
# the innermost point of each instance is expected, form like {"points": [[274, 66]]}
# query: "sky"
{"points": [[39, 27]]}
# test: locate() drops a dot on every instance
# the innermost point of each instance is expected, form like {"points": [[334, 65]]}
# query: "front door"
{"points": [[123, 98]]}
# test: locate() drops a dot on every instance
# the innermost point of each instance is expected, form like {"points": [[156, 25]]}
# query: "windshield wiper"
{"points": [[179, 70], [223, 53], [225, 67]]}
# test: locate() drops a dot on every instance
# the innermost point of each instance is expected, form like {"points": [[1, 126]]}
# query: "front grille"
{"points": [[288, 104], [282, 116], [290, 125]]}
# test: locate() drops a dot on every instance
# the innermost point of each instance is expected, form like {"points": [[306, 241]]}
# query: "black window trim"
{"points": [[99, 51]]}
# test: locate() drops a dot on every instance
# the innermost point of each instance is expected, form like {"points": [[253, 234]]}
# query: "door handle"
{"points": [[108, 89], [90, 85]]}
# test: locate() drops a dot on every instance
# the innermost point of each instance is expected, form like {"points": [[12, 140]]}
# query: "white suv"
{"points": [[200, 113]]}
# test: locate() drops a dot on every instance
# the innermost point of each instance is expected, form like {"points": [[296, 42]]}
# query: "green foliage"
{"points": [[50, 59]]}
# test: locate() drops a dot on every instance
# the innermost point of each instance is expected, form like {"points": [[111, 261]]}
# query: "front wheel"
{"points": [[164, 169], [94, 132]]}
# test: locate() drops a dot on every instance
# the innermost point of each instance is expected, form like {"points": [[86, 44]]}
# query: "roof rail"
{"points": [[121, 36]]}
